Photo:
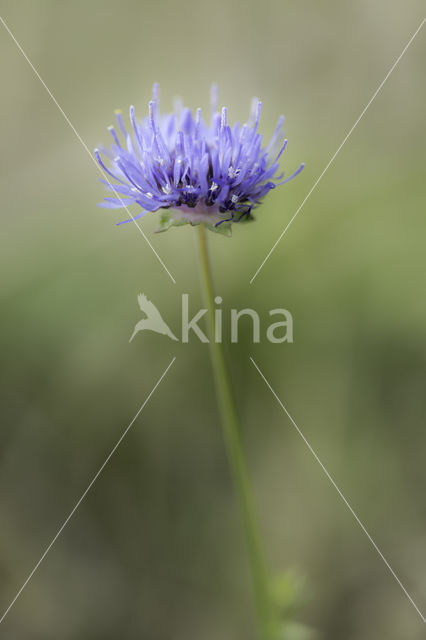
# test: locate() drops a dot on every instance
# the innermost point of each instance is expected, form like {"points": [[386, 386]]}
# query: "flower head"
{"points": [[191, 171]]}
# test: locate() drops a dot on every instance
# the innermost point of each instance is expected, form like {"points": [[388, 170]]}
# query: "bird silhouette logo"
{"points": [[153, 320]]}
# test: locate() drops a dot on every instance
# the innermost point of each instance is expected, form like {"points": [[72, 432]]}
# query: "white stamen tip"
{"points": [[214, 186], [234, 198], [232, 173], [149, 195]]}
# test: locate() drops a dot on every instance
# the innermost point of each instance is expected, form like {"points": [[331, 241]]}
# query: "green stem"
{"points": [[231, 429]]}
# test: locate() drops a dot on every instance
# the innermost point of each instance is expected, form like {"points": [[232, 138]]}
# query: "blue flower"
{"points": [[191, 171]]}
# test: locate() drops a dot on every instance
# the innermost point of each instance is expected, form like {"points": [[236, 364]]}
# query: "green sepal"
{"points": [[167, 221], [224, 229]]}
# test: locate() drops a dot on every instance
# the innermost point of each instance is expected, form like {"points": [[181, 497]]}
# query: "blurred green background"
{"points": [[155, 551]]}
